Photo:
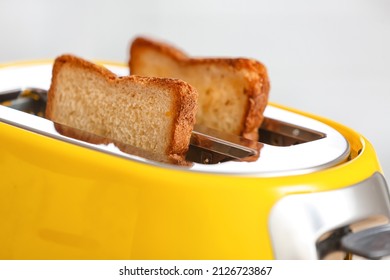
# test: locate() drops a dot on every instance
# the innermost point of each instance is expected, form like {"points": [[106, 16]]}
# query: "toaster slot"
{"points": [[272, 132], [288, 142], [29, 100], [207, 146], [278, 133]]}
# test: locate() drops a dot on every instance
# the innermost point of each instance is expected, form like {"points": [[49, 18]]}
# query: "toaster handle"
{"points": [[372, 243]]}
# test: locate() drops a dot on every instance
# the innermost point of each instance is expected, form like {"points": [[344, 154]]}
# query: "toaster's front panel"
{"points": [[62, 201]]}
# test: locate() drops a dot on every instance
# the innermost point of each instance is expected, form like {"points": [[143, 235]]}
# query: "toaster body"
{"points": [[60, 200]]}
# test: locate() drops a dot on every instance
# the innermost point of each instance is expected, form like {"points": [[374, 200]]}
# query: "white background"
{"points": [[331, 58]]}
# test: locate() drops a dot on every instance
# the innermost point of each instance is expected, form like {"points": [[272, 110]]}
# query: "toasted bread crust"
{"points": [[185, 97], [256, 75]]}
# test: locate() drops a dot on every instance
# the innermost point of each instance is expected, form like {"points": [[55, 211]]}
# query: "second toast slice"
{"points": [[233, 92]]}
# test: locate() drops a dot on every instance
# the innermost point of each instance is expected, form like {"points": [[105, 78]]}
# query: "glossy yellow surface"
{"points": [[61, 201]]}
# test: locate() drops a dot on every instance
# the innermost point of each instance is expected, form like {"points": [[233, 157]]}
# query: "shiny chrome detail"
{"points": [[209, 146], [297, 221], [329, 149], [278, 133]]}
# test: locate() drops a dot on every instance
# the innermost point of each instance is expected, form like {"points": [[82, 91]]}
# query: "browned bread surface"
{"points": [[155, 114], [233, 92]]}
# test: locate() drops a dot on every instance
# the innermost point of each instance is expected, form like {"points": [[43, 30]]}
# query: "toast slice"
{"points": [[233, 92], [154, 114]]}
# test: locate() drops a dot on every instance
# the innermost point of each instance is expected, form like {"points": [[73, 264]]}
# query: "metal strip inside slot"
{"points": [[279, 133]]}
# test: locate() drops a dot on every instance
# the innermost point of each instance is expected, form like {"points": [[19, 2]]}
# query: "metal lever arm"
{"points": [[372, 243]]}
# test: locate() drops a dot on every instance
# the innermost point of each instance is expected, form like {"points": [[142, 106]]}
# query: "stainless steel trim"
{"points": [[297, 221], [304, 158], [278, 133], [216, 147]]}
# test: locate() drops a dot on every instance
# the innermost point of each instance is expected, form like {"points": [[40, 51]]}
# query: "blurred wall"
{"points": [[330, 58]]}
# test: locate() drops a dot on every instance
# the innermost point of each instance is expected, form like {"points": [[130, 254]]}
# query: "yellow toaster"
{"points": [[315, 191]]}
